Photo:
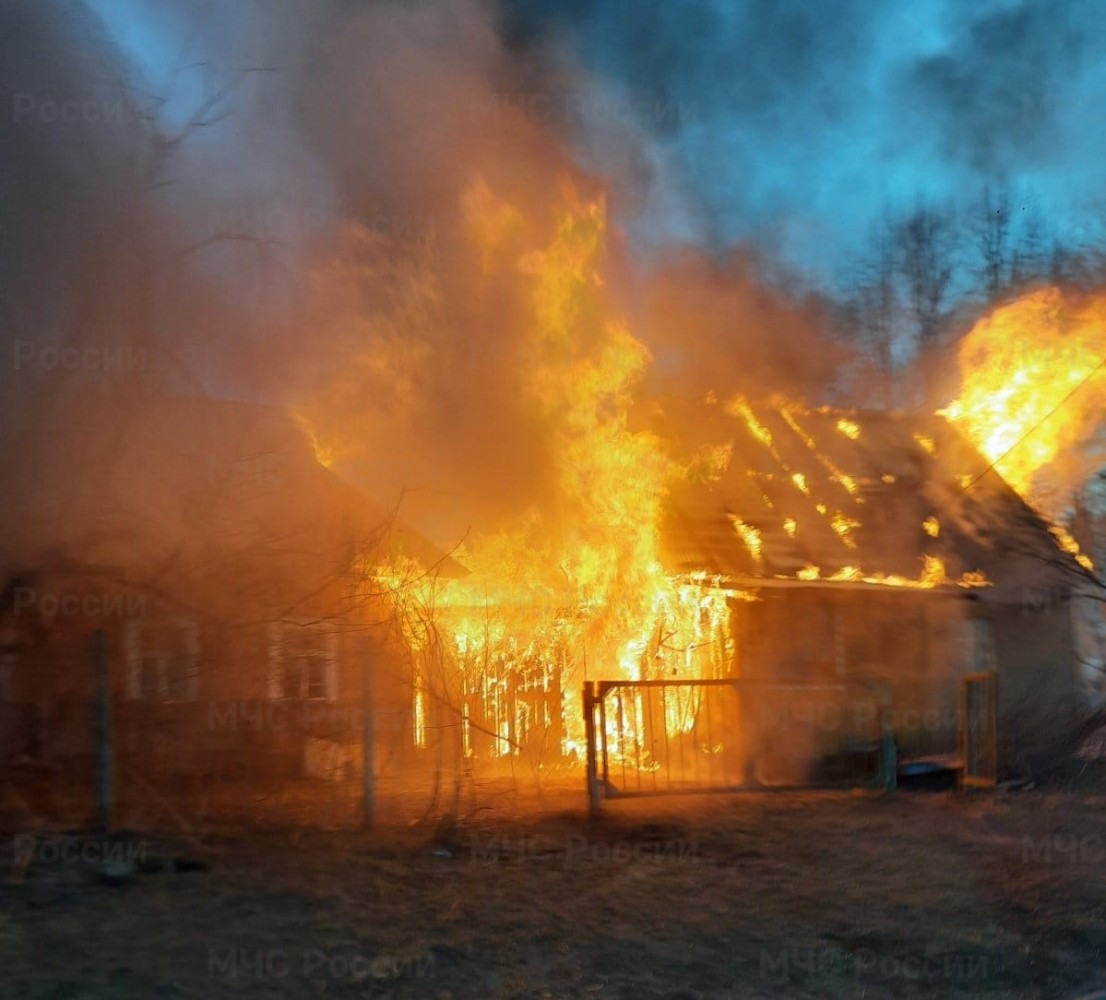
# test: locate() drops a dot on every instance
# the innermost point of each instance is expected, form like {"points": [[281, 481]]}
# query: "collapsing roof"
{"points": [[784, 495]]}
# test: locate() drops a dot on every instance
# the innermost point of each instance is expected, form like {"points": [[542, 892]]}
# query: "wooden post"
{"points": [[368, 735], [105, 788]]}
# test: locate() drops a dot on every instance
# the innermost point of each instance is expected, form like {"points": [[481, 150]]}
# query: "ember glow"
{"points": [[812, 475]]}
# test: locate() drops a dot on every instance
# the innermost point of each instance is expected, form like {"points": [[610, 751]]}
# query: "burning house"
{"points": [[846, 569], [263, 619], [884, 549], [767, 543], [236, 583]]}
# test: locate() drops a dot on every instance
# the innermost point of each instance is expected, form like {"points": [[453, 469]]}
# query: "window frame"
{"points": [[327, 653], [140, 647]]}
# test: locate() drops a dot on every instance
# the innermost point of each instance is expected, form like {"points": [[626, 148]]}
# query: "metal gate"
{"points": [[661, 737], [979, 729]]}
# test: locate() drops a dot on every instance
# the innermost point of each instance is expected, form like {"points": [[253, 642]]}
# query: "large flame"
{"points": [[1033, 390], [576, 586]]}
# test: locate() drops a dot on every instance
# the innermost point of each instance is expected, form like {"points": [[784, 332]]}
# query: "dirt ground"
{"points": [[765, 895]]}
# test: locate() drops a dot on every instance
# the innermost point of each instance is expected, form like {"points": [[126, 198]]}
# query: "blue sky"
{"points": [[181, 49]]}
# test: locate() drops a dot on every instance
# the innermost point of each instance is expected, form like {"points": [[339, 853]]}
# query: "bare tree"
{"points": [[881, 307], [925, 242], [1029, 256], [870, 311], [992, 234]]}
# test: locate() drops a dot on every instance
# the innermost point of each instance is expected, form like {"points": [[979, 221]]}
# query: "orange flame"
{"points": [[580, 581], [1034, 385]]}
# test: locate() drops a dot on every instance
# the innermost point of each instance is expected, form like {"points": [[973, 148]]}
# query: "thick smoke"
{"points": [[276, 203]]}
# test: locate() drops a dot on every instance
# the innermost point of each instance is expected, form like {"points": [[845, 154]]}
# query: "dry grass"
{"points": [[753, 896]]}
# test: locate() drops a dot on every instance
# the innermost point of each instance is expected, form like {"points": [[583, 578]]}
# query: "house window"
{"points": [[162, 659], [977, 644], [302, 663]]}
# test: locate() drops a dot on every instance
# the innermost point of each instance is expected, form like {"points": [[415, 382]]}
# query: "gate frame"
{"points": [[599, 787]]}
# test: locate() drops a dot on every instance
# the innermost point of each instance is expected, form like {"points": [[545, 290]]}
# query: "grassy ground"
{"points": [[829, 895]]}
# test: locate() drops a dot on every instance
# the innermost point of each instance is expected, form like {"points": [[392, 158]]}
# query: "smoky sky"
{"points": [[788, 125], [179, 176], [780, 125], [795, 124]]}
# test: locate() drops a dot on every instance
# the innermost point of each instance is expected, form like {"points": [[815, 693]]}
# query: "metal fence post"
{"points": [[594, 791]]}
